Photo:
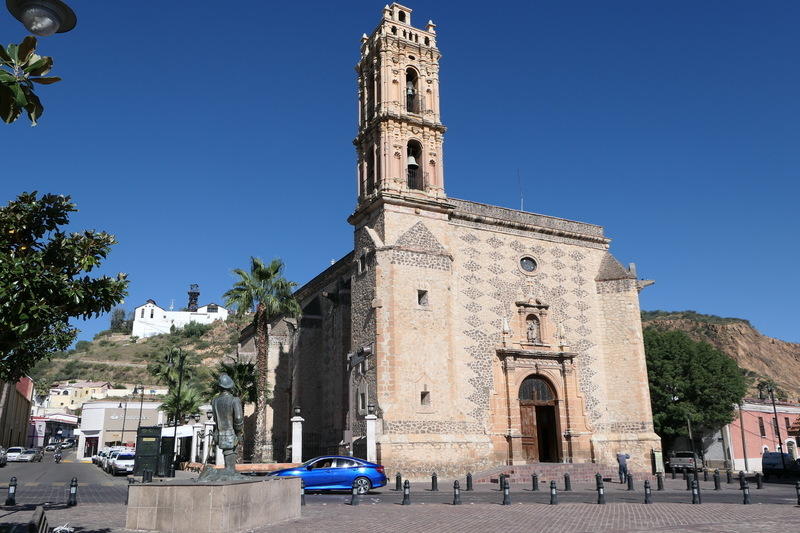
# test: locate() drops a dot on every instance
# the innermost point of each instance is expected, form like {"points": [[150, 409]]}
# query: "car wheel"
{"points": [[363, 485]]}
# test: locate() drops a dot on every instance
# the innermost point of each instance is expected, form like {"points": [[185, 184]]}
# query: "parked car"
{"points": [[334, 472], [30, 456], [684, 459], [108, 458], [13, 453], [67, 444], [122, 463], [50, 447], [772, 465]]}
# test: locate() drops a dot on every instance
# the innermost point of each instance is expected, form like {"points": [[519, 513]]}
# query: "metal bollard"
{"points": [[553, 493], [73, 493], [434, 483], [601, 490], [147, 476], [630, 482], [567, 482], [501, 481], [685, 476], [688, 483], [741, 479], [406, 493], [695, 491], [506, 493], [759, 480], [728, 476], [705, 474], [673, 471], [660, 481], [354, 495], [797, 490], [648, 493], [469, 481], [11, 499], [746, 493], [696, 475], [302, 493], [456, 493], [716, 480], [398, 482], [535, 481]]}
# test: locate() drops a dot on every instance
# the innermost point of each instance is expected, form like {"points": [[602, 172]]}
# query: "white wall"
{"points": [[150, 319]]}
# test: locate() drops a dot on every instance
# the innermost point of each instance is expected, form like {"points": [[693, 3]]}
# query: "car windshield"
{"points": [[684, 454], [14, 450], [125, 457], [29, 452]]}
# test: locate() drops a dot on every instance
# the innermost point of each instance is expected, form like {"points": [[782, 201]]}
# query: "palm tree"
{"points": [[187, 403], [243, 376], [265, 291]]}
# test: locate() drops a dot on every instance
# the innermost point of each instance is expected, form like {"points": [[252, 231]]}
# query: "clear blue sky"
{"points": [[201, 133]]}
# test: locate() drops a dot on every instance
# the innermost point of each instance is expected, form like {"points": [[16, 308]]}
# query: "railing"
{"points": [[415, 104], [416, 179]]}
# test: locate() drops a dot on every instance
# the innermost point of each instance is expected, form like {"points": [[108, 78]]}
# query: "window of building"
{"points": [[362, 401], [761, 428], [412, 93], [401, 16], [425, 397], [775, 428], [211, 308], [415, 175], [151, 313], [142, 313], [422, 299], [788, 424]]}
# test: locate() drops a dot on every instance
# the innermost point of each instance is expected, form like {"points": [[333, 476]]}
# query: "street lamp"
{"points": [[124, 416], [43, 17]]}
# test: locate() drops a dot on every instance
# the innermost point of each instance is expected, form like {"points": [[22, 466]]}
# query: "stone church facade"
{"points": [[479, 335]]}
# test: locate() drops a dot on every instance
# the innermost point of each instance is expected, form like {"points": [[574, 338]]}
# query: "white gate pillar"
{"points": [[372, 448], [297, 436]]}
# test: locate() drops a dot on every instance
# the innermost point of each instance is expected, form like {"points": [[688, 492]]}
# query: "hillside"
{"points": [[759, 355], [119, 358]]}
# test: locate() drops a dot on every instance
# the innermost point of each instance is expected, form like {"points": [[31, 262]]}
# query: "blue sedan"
{"points": [[337, 472]]}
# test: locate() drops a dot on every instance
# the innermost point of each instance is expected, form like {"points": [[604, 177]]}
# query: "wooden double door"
{"points": [[539, 431]]}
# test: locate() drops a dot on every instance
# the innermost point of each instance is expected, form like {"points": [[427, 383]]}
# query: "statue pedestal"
{"points": [[191, 507]]}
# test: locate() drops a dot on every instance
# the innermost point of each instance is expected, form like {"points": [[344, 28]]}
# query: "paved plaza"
{"points": [[101, 507]]}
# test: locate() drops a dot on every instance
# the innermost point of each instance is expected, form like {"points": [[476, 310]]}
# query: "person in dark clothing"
{"points": [[622, 460]]}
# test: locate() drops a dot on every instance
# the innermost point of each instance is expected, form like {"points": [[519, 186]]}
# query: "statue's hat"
{"points": [[225, 381]]}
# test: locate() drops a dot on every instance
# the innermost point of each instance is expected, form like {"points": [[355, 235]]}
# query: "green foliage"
{"points": [[765, 385], [188, 402], [83, 346], [44, 280], [193, 330], [243, 376], [20, 68], [120, 322], [690, 315], [690, 379]]}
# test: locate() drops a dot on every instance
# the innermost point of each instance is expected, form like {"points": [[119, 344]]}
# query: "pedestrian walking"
{"points": [[622, 460]]}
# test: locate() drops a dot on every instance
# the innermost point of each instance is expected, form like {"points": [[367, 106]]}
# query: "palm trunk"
{"points": [[262, 450]]}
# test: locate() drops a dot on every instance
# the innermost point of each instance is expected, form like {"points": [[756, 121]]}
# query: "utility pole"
{"points": [[771, 390], [744, 444], [691, 442]]}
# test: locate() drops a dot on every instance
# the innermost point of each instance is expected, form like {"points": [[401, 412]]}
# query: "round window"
{"points": [[528, 264]]}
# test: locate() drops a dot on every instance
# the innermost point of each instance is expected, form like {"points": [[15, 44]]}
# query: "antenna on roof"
{"points": [[521, 197], [172, 304]]}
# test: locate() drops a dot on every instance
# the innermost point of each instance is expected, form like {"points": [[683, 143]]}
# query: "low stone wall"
{"points": [[191, 507]]}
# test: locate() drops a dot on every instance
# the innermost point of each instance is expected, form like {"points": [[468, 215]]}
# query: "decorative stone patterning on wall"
{"points": [[490, 281], [431, 426], [419, 247]]}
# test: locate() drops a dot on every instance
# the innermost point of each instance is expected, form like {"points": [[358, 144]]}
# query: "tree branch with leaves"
{"points": [[20, 68]]}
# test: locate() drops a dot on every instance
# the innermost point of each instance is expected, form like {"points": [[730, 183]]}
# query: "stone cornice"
{"points": [[518, 353], [403, 200], [319, 281]]}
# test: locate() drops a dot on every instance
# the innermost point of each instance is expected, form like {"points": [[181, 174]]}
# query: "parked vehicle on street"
{"points": [[122, 463], [30, 456], [13, 453], [771, 465], [50, 447], [684, 459], [335, 472], [108, 458], [67, 444]]}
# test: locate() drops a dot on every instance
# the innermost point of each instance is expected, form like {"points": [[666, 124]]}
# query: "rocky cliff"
{"points": [[760, 356]]}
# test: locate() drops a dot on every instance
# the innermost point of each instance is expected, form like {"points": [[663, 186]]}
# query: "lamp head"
{"points": [[43, 17]]}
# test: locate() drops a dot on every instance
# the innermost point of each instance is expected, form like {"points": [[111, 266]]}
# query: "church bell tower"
{"points": [[400, 133]]}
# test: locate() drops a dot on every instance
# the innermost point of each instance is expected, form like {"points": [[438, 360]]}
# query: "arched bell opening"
{"points": [[412, 91], [414, 171], [539, 420]]}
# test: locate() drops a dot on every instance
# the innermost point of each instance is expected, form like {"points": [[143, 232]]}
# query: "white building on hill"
{"points": [[150, 319]]}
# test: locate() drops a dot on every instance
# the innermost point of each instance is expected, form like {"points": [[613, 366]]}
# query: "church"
{"points": [[478, 335]]}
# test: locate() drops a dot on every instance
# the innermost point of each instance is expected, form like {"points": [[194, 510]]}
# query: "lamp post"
{"points": [[771, 391], [140, 389], [43, 17], [124, 416]]}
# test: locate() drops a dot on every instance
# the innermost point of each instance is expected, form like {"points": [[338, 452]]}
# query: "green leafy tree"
{"points": [[187, 403], [44, 280], [243, 376], [117, 320], [690, 380], [20, 68], [264, 291]]}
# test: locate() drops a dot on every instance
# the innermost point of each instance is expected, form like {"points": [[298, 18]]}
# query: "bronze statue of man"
{"points": [[229, 419]]}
